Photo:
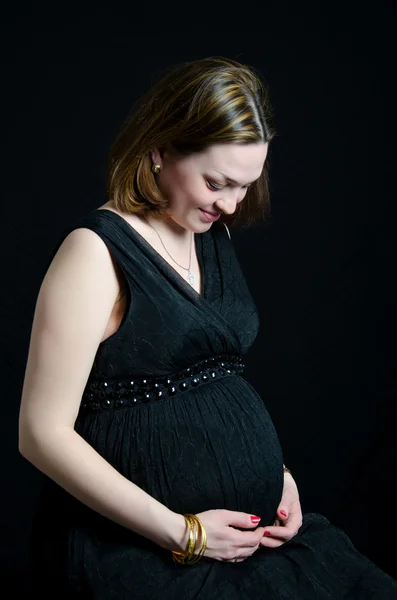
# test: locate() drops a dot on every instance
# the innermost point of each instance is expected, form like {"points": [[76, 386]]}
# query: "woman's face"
{"points": [[202, 186]]}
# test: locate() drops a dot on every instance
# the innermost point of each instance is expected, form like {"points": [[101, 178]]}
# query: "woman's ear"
{"points": [[156, 156]]}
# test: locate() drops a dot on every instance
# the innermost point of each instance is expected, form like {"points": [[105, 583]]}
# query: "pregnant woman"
{"points": [[164, 475]]}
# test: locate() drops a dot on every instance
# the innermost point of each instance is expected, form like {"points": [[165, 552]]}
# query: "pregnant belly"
{"points": [[210, 447], [216, 448]]}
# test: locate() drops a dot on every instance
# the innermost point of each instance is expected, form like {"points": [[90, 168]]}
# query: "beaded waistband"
{"points": [[121, 393]]}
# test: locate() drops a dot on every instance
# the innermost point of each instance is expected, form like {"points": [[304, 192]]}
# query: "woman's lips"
{"points": [[209, 216]]}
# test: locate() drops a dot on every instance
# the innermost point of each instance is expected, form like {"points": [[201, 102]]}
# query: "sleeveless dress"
{"points": [[167, 405]]}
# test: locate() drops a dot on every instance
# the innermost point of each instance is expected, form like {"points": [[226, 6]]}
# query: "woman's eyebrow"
{"points": [[230, 179]]}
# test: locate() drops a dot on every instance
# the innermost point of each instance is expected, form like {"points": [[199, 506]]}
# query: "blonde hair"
{"points": [[195, 104]]}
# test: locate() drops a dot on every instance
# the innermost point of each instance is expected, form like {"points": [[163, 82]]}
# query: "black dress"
{"points": [[167, 405]]}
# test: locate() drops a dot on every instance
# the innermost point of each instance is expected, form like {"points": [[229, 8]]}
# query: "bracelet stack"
{"points": [[195, 528]]}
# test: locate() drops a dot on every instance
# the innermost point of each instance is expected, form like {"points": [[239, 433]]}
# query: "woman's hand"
{"points": [[289, 516], [224, 542]]}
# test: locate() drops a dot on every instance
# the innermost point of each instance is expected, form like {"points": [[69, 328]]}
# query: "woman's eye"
{"points": [[214, 187]]}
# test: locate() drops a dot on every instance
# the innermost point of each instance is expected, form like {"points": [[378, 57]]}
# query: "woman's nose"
{"points": [[227, 204]]}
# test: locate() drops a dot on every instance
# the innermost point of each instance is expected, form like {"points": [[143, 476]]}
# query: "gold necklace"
{"points": [[190, 274]]}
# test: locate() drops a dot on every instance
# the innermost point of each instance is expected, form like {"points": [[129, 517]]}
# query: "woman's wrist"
{"points": [[176, 533]]}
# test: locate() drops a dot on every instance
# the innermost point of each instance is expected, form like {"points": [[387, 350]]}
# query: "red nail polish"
{"points": [[282, 512], [255, 519], [267, 533]]}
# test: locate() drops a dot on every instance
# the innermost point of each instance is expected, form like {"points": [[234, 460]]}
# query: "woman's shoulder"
{"points": [[79, 237]]}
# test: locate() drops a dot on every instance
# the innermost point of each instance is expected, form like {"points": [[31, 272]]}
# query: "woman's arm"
{"points": [[73, 307]]}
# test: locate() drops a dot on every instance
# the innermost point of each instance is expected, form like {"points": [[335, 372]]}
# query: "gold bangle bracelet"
{"points": [[195, 527], [203, 532], [183, 557]]}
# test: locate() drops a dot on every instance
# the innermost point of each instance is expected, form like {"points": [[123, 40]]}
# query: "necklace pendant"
{"points": [[190, 277]]}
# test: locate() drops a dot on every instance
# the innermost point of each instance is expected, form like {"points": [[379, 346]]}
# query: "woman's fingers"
{"points": [[269, 542], [277, 536], [284, 532]]}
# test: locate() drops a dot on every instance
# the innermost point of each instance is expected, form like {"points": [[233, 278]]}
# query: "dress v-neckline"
{"points": [[198, 244]]}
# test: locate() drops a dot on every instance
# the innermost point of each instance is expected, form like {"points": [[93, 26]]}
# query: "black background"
{"points": [[322, 269]]}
